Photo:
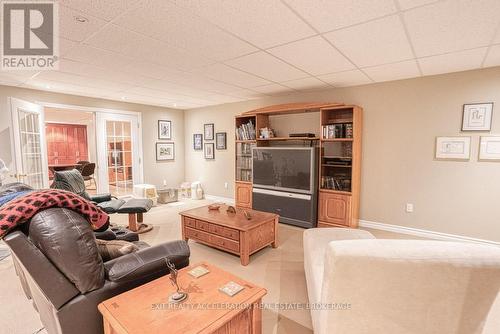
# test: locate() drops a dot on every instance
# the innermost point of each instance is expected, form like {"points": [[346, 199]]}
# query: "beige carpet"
{"points": [[279, 270]]}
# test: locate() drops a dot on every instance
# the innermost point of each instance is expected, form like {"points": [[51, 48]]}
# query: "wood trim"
{"points": [[301, 107]]}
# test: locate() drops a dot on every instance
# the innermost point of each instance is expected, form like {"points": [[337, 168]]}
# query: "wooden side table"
{"points": [[146, 310]]}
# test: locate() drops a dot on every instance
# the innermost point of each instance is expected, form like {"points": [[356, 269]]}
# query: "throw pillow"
{"points": [[111, 249]]}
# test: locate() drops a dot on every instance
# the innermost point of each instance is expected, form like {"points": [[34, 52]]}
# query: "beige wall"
{"points": [[401, 121], [154, 172]]}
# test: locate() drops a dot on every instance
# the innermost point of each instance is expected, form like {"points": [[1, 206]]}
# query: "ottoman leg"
{"points": [[132, 222], [140, 218]]}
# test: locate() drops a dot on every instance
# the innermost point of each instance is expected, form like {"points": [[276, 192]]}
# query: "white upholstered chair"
{"points": [[367, 285]]}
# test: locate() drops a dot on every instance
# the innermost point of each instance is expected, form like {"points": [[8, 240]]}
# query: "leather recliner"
{"points": [[60, 269]]}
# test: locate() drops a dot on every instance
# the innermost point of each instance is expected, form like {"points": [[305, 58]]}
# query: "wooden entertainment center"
{"points": [[339, 143]]}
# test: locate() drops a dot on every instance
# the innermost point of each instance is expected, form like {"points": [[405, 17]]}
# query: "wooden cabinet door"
{"points": [[335, 208], [244, 195]]}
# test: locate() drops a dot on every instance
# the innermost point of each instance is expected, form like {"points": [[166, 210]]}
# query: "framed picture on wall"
{"points": [[221, 140], [165, 151], [209, 151], [209, 131], [477, 117], [198, 142], [489, 148], [164, 130], [453, 148]]}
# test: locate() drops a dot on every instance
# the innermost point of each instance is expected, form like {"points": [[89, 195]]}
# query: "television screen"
{"points": [[284, 168]]}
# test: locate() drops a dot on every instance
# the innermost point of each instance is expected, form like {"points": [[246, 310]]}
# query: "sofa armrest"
{"points": [[147, 261], [99, 198]]}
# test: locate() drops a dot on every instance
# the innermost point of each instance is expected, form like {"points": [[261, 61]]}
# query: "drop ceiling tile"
{"points": [[151, 70], [232, 76], [452, 25], [246, 94], [175, 26], [264, 23], [306, 84], [68, 78], [106, 10], [313, 55], [408, 4], [394, 71], [327, 15], [73, 30], [65, 46], [374, 43], [266, 66], [347, 78], [87, 70], [125, 42], [273, 89], [452, 62], [220, 98], [98, 57], [15, 78], [493, 57], [497, 39]]}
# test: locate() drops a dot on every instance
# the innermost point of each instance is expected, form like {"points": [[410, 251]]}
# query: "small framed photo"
{"points": [[209, 131], [489, 148], [477, 117], [221, 140], [198, 142], [164, 130], [453, 148], [165, 151], [209, 151]]}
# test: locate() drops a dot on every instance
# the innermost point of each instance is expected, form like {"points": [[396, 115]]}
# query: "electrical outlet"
{"points": [[164, 183], [409, 207], [226, 185]]}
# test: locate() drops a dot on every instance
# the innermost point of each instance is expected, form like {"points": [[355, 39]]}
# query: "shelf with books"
{"points": [[287, 138], [245, 128], [340, 159], [244, 161]]}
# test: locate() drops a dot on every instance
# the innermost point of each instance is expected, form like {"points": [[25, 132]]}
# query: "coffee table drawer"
{"points": [[224, 243], [224, 231], [197, 235], [190, 222], [203, 226]]}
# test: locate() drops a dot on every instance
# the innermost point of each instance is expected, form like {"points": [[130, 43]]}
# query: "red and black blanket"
{"points": [[23, 208]]}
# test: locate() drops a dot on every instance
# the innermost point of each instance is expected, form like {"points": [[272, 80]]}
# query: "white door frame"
{"points": [[102, 154], [97, 111], [16, 104]]}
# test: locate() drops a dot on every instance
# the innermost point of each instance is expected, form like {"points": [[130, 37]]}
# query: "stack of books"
{"points": [[246, 131], [342, 130], [338, 182]]}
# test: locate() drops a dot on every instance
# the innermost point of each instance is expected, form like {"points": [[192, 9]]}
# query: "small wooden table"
{"points": [[233, 233], [146, 310]]}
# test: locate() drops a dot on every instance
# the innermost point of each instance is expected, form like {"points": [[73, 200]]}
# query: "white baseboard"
{"points": [[424, 233], [220, 199]]}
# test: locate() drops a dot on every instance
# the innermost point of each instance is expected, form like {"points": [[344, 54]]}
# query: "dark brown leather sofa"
{"points": [[61, 271]]}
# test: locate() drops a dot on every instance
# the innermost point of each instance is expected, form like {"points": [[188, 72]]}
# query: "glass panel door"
{"points": [[118, 151], [29, 142]]}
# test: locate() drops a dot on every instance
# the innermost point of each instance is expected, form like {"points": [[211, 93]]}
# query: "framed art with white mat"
{"points": [[489, 148], [453, 148], [477, 117]]}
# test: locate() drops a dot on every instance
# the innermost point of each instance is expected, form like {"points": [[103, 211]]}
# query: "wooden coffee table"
{"points": [[231, 232], [146, 310]]}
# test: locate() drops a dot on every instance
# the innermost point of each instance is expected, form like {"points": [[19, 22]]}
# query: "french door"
{"points": [[118, 153], [28, 136]]}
